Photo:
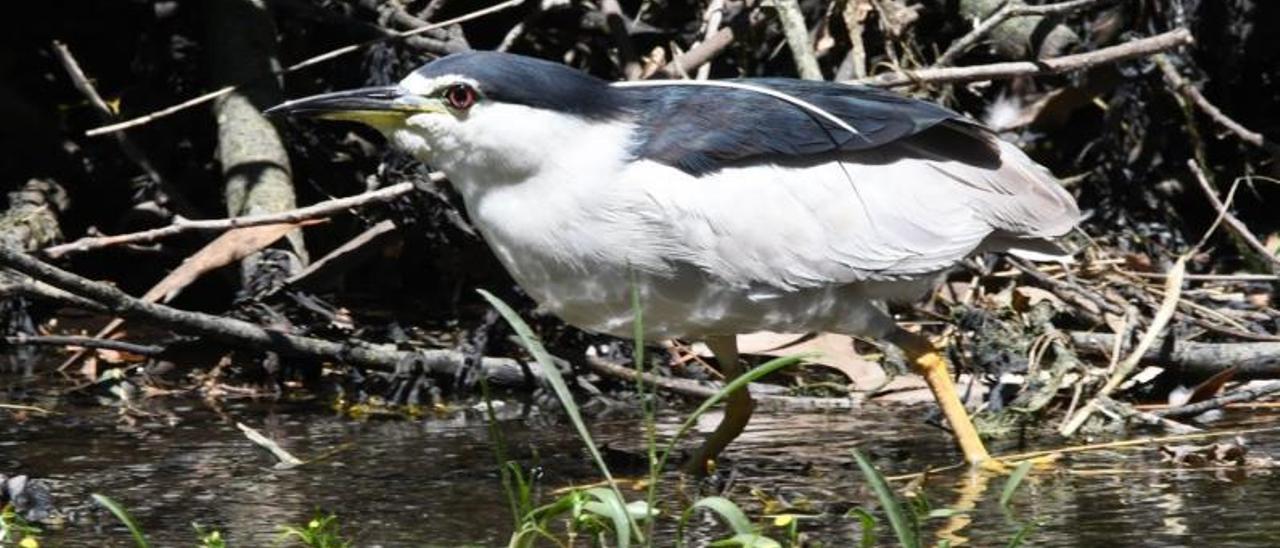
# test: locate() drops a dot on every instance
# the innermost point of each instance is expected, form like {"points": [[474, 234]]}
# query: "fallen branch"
{"points": [[701, 390], [322, 209], [1236, 396], [1057, 65], [502, 371], [1256, 360], [327, 56]]}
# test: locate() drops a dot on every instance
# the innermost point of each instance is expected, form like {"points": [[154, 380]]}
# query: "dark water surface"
{"points": [[433, 481]]}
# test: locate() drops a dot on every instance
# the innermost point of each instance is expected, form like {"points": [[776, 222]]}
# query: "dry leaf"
{"points": [[1025, 297], [1213, 385], [834, 351]]}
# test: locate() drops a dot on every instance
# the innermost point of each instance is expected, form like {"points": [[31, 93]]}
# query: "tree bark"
{"points": [[31, 222], [241, 42]]}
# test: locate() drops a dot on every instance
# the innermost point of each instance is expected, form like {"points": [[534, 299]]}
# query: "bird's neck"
{"points": [[546, 156]]}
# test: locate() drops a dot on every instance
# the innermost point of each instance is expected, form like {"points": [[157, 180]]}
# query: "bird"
{"points": [[727, 206]]}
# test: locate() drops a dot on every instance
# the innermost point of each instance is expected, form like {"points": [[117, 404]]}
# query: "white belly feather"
{"points": [[716, 255]]}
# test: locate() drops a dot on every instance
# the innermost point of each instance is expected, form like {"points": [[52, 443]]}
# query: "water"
{"points": [[434, 481]]}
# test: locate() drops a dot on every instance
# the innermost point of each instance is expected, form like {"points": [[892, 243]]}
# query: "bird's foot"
{"points": [[1003, 466]]}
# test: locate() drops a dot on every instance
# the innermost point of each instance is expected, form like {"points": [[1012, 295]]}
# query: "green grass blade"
{"points": [[868, 527], [124, 517], [552, 374], [729, 512], [648, 403], [753, 540], [609, 505], [1021, 535], [732, 515], [1015, 480], [898, 520], [741, 382]]}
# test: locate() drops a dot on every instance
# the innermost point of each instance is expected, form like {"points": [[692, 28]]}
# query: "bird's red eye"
{"points": [[460, 96]]}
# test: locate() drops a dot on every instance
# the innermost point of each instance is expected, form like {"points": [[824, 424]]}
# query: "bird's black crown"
{"points": [[531, 82]]}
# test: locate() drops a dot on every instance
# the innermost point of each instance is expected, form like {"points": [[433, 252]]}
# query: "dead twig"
{"points": [[1129, 413], [695, 389], [1006, 12], [1235, 396], [1169, 305], [1232, 221], [1190, 92], [85, 342], [327, 56], [1067, 63], [315, 211], [287, 460]]}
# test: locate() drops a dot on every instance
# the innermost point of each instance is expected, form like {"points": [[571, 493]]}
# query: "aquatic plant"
{"points": [[123, 515], [14, 528], [321, 532], [599, 510]]}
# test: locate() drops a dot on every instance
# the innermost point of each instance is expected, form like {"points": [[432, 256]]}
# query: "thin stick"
{"points": [[1232, 221], [18, 407], [1006, 12], [1242, 277], [322, 209], [698, 390], [299, 66], [1173, 293], [85, 342], [1067, 63], [1192, 93], [1241, 395]]}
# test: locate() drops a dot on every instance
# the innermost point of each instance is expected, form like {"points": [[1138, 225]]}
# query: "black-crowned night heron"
{"points": [[731, 206]]}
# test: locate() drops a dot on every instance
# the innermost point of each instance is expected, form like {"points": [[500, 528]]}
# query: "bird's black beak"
{"points": [[378, 106]]}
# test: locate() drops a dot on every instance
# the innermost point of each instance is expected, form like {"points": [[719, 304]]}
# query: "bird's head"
{"points": [[488, 111]]}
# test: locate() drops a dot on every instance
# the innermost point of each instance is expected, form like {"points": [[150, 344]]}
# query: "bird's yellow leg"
{"points": [[737, 411], [929, 363]]}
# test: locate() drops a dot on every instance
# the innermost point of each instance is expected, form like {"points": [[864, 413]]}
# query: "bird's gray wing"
{"points": [[701, 129], [900, 211]]}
